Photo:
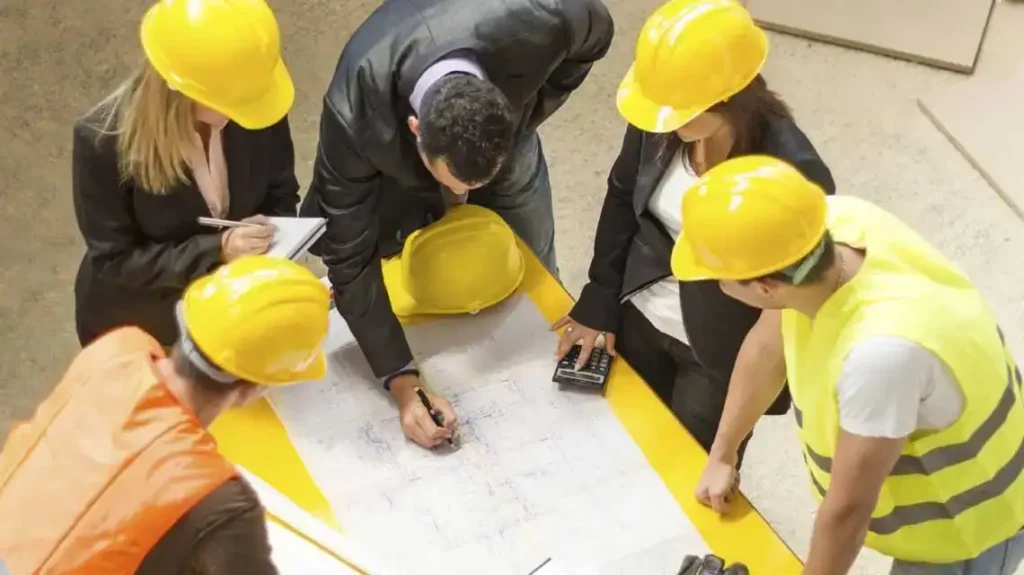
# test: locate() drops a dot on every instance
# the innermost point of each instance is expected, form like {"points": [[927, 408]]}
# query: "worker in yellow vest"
{"points": [[908, 400], [117, 474]]}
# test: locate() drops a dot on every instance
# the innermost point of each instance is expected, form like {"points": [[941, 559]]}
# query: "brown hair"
{"points": [[154, 126], [749, 112]]}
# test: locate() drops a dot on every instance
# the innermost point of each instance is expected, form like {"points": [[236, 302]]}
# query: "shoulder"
{"points": [[96, 131], [125, 341], [786, 141], [884, 353]]}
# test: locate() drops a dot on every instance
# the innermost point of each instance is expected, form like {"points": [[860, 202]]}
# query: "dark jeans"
{"points": [[521, 195], [672, 371]]}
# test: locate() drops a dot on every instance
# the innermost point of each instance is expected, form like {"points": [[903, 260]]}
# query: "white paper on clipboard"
{"points": [[295, 235]]}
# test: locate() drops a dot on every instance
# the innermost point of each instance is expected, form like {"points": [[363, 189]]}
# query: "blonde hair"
{"points": [[154, 126]]}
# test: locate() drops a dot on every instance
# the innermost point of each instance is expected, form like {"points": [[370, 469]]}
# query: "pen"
{"points": [[434, 414], [219, 223], [538, 568]]}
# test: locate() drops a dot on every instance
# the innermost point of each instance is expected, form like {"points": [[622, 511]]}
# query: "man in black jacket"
{"points": [[435, 102]]}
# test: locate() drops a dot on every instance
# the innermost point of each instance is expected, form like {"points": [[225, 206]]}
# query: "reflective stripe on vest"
{"points": [[106, 467], [938, 459], [963, 485]]}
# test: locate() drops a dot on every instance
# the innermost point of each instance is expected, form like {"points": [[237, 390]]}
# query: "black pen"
{"points": [[434, 414]]}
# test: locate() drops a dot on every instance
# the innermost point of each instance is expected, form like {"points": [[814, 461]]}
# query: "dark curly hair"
{"points": [[468, 123]]}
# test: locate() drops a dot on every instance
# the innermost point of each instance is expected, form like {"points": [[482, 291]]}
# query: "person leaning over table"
{"points": [[433, 103], [693, 98], [192, 133], [908, 400], [117, 473]]}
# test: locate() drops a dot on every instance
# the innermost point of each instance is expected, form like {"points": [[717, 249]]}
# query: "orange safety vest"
{"points": [[108, 465]]}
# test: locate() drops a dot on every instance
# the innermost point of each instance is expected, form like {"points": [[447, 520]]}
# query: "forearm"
{"points": [[364, 304], [161, 265], [757, 379], [838, 536]]}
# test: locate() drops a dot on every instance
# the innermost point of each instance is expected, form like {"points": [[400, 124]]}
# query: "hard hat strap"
{"points": [[196, 356], [798, 272]]}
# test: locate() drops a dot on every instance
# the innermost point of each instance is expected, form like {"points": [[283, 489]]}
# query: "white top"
{"points": [[891, 387], [660, 301]]}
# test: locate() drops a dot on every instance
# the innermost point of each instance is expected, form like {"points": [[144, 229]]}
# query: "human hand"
{"points": [[416, 421], [576, 332], [718, 483], [248, 240]]}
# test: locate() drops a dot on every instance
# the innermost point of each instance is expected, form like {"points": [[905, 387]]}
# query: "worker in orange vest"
{"points": [[117, 473]]}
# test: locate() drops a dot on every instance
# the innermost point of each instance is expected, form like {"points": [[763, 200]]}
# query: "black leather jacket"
{"points": [[369, 179], [632, 250]]}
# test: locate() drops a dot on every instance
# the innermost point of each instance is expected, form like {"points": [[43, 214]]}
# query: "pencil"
{"points": [[219, 223]]}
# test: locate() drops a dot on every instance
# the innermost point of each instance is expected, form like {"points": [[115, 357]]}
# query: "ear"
{"points": [[414, 126], [765, 287]]}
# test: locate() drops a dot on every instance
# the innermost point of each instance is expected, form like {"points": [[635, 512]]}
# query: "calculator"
{"points": [[591, 377]]}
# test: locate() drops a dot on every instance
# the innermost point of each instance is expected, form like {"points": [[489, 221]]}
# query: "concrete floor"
{"points": [[859, 110]]}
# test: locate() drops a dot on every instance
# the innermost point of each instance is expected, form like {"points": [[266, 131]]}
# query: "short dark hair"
{"points": [[188, 369], [467, 122], [825, 254]]}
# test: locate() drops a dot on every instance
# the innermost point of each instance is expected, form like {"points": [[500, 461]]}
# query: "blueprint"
{"points": [[539, 473]]}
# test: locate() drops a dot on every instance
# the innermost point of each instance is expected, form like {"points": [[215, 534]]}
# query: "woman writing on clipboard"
{"points": [[195, 132]]}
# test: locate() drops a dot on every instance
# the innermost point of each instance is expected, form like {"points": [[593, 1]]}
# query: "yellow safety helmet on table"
{"points": [[259, 319], [691, 55], [223, 54], [746, 218], [466, 261]]}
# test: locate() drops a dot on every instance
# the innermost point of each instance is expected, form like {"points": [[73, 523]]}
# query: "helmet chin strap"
{"points": [[807, 264], [194, 355]]}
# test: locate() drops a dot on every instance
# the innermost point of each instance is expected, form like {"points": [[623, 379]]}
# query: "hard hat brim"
{"points": [[271, 108], [401, 302], [646, 114], [316, 370], [686, 267]]}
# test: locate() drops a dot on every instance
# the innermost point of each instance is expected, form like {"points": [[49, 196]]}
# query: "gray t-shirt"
{"points": [[891, 387]]}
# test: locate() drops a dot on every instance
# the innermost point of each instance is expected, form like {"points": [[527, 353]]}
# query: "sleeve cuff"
{"points": [[597, 308]]}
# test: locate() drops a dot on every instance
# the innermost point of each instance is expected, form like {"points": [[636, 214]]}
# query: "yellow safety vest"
{"points": [[955, 492]]}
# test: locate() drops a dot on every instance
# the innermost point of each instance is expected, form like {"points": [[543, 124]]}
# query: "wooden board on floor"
{"points": [[983, 116], [942, 33]]}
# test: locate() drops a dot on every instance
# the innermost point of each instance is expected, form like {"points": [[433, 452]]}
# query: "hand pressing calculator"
{"points": [[591, 377]]}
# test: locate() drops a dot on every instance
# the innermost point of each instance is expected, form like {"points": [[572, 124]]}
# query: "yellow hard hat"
{"points": [[260, 319], [746, 218], [691, 55], [464, 262], [224, 54]]}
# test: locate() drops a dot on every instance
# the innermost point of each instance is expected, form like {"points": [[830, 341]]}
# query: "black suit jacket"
{"points": [[632, 250], [368, 178], [143, 249]]}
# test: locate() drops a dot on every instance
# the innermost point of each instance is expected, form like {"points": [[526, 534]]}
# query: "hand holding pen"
{"points": [[251, 236], [436, 416]]}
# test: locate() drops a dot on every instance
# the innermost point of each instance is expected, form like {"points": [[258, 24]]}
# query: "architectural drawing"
{"points": [[539, 473]]}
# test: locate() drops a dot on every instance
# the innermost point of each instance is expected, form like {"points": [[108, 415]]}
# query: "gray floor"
{"points": [[57, 60]]}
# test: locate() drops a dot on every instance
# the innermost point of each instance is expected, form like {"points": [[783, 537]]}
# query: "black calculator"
{"points": [[591, 377]]}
